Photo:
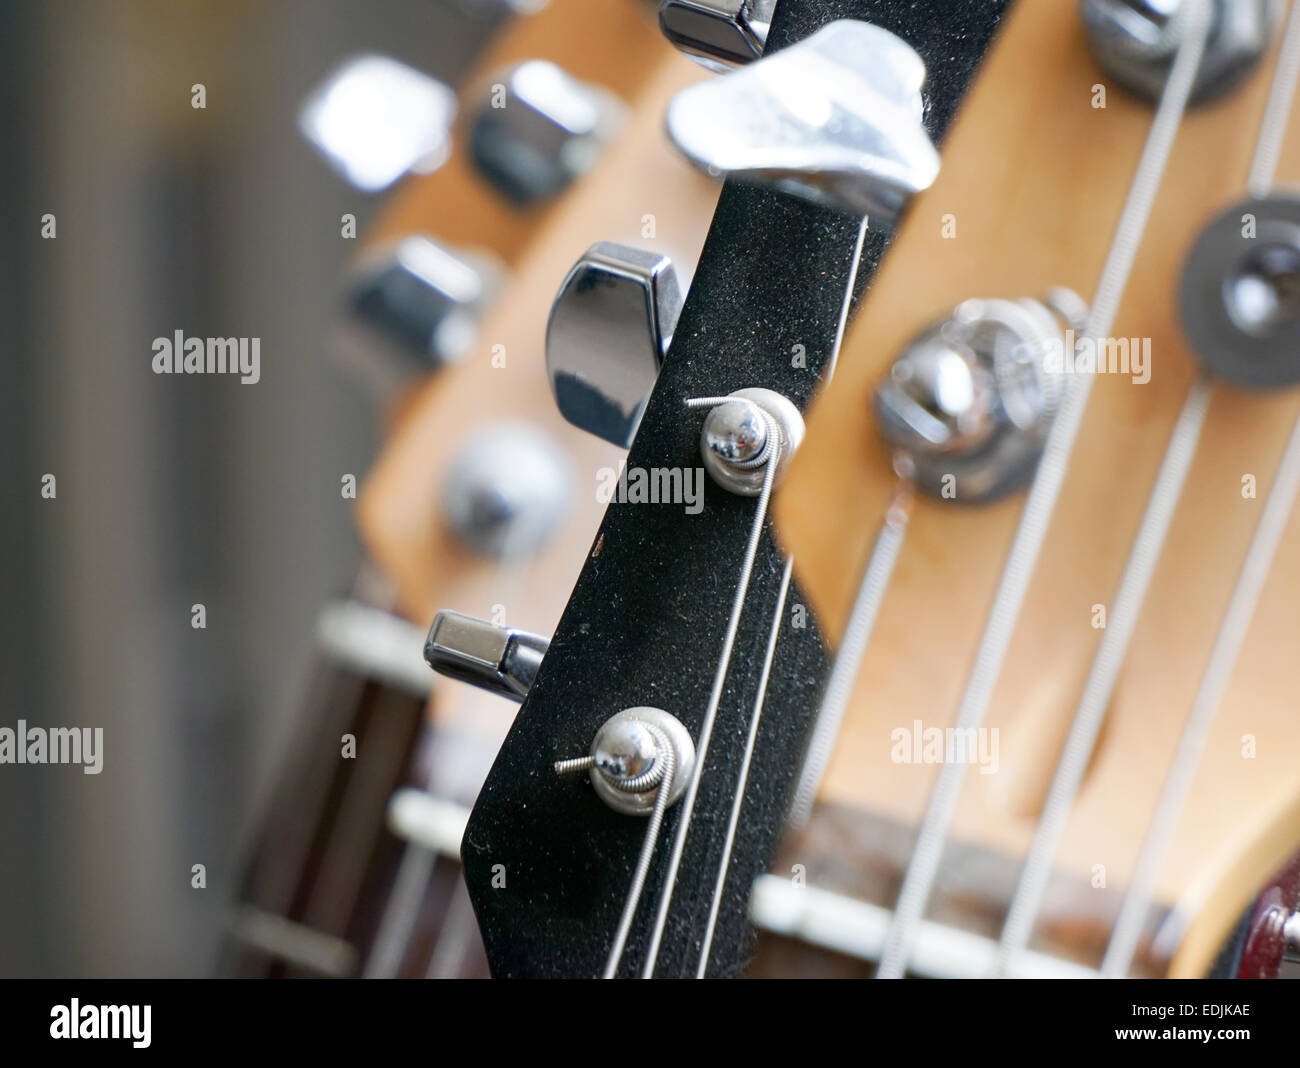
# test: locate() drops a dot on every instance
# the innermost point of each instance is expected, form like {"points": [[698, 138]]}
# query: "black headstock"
{"points": [[548, 864]]}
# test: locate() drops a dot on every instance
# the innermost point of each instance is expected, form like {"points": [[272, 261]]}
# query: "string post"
{"points": [[969, 401], [632, 754], [743, 433]]}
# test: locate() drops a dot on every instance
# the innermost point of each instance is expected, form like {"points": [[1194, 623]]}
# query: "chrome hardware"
{"points": [[1240, 299], [969, 401], [545, 129], [609, 329], [417, 305], [738, 436], [626, 759], [1134, 41], [489, 9], [718, 34], [499, 659], [835, 119], [375, 119], [507, 491]]}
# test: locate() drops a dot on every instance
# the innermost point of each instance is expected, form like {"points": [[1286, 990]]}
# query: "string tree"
{"points": [[967, 404]]}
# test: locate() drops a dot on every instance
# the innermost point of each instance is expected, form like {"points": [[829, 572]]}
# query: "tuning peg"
{"points": [[375, 119], [538, 128], [507, 490], [414, 305], [835, 119], [609, 329], [1135, 41], [499, 659], [718, 34], [969, 401]]}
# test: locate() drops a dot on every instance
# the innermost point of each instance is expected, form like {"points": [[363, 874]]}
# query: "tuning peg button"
{"points": [[718, 34], [415, 305], [375, 119], [609, 329], [499, 659], [540, 128], [835, 119]]}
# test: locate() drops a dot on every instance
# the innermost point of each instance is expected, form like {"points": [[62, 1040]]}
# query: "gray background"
{"points": [[175, 490]]}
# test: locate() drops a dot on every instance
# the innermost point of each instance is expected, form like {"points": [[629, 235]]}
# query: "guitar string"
{"points": [[1099, 687], [715, 697], [1031, 531], [743, 779], [1272, 130], [1145, 555], [401, 912], [1245, 596], [846, 307], [853, 646], [1209, 695], [633, 899]]}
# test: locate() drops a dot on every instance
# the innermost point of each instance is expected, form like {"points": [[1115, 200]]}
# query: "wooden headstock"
{"points": [[1033, 178]]}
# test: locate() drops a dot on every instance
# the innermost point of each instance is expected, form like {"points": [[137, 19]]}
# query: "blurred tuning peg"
{"points": [[507, 490], [969, 401], [538, 128], [718, 34], [609, 329], [490, 9], [376, 119], [414, 306], [835, 119], [499, 659], [1135, 41]]}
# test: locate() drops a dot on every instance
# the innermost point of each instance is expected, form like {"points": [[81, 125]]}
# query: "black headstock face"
{"points": [[549, 864]]}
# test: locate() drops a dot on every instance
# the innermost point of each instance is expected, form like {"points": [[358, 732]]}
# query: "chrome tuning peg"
{"points": [[414, 305], [498, 659], [375, 119], [835, 119], [969, 401], [1135, 41], [538, 128], [609, 329], [718, 34], [491, 9], [1240, 293], [507, 491]]}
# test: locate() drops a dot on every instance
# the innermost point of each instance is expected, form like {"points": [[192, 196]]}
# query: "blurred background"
{"points": [[171, 491]]}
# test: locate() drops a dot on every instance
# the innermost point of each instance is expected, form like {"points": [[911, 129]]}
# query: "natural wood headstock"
{"points": [[640, 193], [1035, 177]]}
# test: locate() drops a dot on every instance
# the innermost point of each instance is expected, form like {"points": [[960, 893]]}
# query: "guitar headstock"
{"points": [[678, 606], [1030, 196]]}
